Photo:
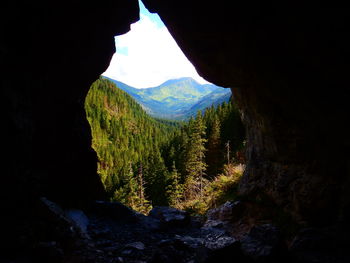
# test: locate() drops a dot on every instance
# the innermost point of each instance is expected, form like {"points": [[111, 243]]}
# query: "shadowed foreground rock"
{"points": [[263, 243], [113, 239], [146, 239], [170, 217]]}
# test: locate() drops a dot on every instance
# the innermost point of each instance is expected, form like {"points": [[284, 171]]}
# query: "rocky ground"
{"points": [[112, 233]]}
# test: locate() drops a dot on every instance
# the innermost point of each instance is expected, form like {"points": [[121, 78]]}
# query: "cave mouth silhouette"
{"points": [[130, 43]]}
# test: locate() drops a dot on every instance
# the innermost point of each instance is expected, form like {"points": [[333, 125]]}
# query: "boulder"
{"points": [[229, 211], [224, 216], [150, 223], [57, 233], [136, 245], [58, 225], [190, 242], [170, 216], [80, 220], [220, 243], [263, 243], [115, 210], [222, 249]]}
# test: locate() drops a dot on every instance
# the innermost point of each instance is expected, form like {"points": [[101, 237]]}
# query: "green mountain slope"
{"points": [[215, 98], [186, 89], [125, 138], [176, 98], [144, 161]]}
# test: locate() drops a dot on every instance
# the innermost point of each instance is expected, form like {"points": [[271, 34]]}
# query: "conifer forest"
{"points": [[144, 161]]}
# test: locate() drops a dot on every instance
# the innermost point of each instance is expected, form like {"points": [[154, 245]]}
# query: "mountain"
{"points": [[176, 98], [215, 98], [186, 89]]}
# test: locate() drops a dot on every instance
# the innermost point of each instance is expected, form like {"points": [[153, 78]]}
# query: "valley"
{"points": [[176, 99], [144, 161]]}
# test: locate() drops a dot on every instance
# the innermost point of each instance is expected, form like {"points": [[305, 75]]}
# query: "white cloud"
{"points": [[148, 56]]}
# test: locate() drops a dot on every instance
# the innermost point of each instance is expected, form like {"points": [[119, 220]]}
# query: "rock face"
{"points": [[286, 64], [230, 211], [49, 56], [287, 67], [67, 47], [262, 243]]}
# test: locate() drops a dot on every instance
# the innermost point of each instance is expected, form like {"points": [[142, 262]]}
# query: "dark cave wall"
{"points": [[50, 53], [287, 65]]}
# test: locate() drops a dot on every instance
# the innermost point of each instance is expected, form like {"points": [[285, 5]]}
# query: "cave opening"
{"points": [[164, 136], [282, 162]]}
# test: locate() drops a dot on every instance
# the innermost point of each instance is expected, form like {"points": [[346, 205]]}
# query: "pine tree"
{"points": [[228, 150], [195, 163], [175, 188], [141, 192], [214, 151], [127, 193], [142, 205], [156, 176]]}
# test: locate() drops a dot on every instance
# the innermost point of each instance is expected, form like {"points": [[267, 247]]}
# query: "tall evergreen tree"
{"points": [[142, 204], [156, 179], [195, 163], [127, 192], [214, 153], [174, 188]]}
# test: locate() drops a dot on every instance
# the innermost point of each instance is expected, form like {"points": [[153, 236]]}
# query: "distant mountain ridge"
{"points": [[176, 99]]}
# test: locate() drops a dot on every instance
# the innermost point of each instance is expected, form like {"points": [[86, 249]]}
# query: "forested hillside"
{"points": [[145, 161], [177, 99]]}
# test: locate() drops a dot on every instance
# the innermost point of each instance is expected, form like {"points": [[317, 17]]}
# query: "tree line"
{"points": [[144, 161]]}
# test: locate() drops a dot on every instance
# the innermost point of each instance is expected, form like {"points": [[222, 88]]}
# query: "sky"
{"points": [[147, 55]]}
